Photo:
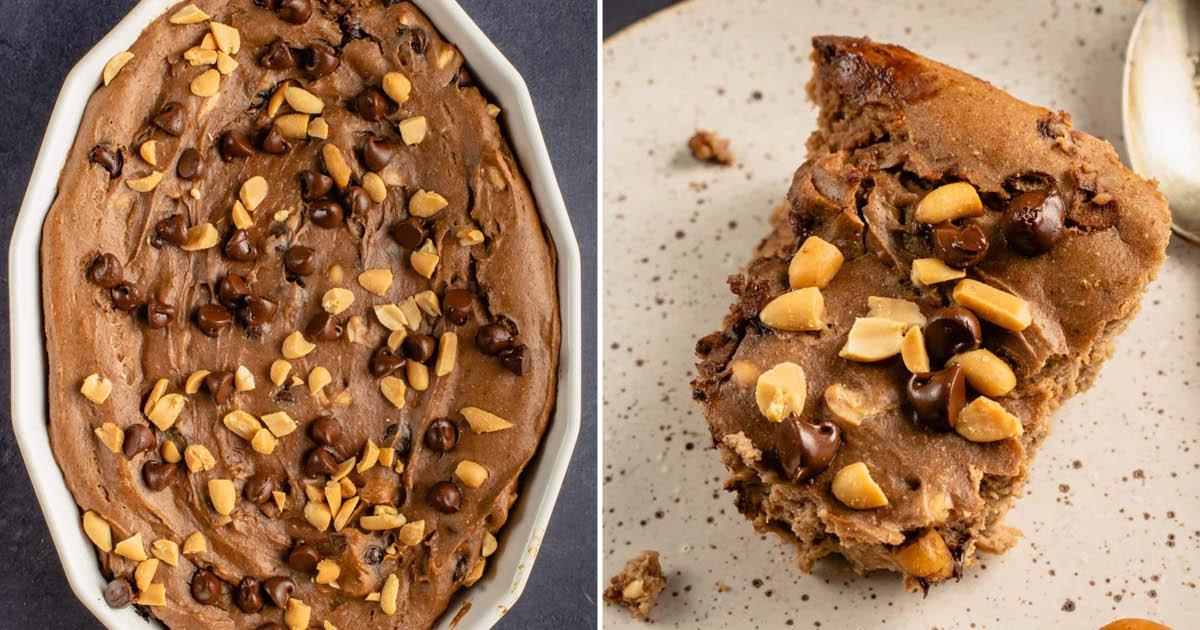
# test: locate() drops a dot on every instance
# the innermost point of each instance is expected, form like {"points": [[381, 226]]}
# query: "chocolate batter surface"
{"points": [[480, 270]]}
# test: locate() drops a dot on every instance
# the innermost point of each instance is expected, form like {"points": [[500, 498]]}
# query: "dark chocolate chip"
{"points": [[303, 558], [235, 145], [158, 313], [378, 152], [273, 142], [219, 385], [139, 438], [259, 487], [293, 11], [320, 461], [248, 596], [314, 185], [211, 319], [190, 164], [106, 271], [108, 158], [445, 497], [936, 398], [322, 327], [300, 260], [232, 290], [441, 436], [172, 118], [325, 213], [277, 56], [118, 593], [279, 590], [456, 305], [806, 449], [385, 362], [172, 229], [240, 248], [371, 104], [409, 233], [493, 338], [319, 60], [1033, 222], [373, 555], [158, 475], [418, 347], [950, 331], [959, 247], [418, 39], [126, 296], [206, 587], [325, 430], [515, 360], [357, 201], [257, 311]]}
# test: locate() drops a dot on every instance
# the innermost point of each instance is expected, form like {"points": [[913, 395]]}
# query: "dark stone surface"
{"points": [[621, 13], [551, 43]]}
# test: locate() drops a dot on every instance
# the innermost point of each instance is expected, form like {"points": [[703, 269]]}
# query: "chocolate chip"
{"points": [[277, 56], [279, 590], [319, 60], [248, 595], [418, 39], [303, 558], [219, 385], [322, 327], [300, 260], [259, 487], [806, 449], [257, 311], [158, 475], [950, 331], [172, 118], [105, 271], [441, 436], [385, 362], [320, 461], [493, 338], [399, 435], [371, 104], [409, 233], [293, 11], [108, 158], [211, 319], [126, 296], [273, 142], [419, 348], [206, 587], [378, 152], [172, 229], [515, 360], [240, 248], [456, 305], [118, 593], [936, 398], [460, 569], [139, 438], [314, 185], [190, 164], [325, 213], [234, 145], [373, 555], [158, 313], [357, 201], [445, 497], [232, 289], [1033, 222], [325, 430], [959, 247]]}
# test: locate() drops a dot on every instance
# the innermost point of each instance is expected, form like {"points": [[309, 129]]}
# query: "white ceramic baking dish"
{"points": [[509, 569]]}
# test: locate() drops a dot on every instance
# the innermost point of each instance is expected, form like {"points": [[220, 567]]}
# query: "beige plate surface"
{"points": [[1112, 513]]}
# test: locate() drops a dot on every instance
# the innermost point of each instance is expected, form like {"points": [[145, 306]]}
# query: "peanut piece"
{"points": [[375, 187], [303, 101], [381, 522], [222, 495], [484, 422], [279, 371], [781, 391], [947, 203], [849, 406], [475, 573], [263, 442], [412, 533], [387, 595], [243, 379], [194, 381], [253, 192], [426, 204], [335, 163], [96, 388], [337, 300], [98, 531], [377, 281], [149, 152], [296, 346], [327, 571], [166, 411], [471, 474], [489, 545], [241, 217], [912, 351], [929, 271], [203, 236], [293, 126], [147, 183], [242, 424], [394, 390], [318, 378], [153, 595], [418, 375], [166, 550], [226, 64], [114, 66], [279, 422], [390, 316], [633, 590], [198, 458], [207, 83], [228, 39], [194, 543], [926, 557], [318, 128], [298, 614], [413, 130], [447, 354], [191, 14], [143, 575], [815, 264], [111, 436], [425, 260], [995, 305], [984, 420], [873, 339], [131, 548], [901, 311], [170, 452], [986, 373], [397, 86], [795, 311], [744, 372], [853, 486]]}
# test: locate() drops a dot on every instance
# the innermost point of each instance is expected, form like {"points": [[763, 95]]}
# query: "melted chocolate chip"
{"points": [[248, 595], [445, 497], [257, 311], [456, 305], [460, 569], [441, 436], [219, 385], [108, 158], [959, 247], [325, 430], [493, 339], [106, 271], [277, 56], [126, 296], [139, 438], [320, 461], [385, 362], [314, 185], [378, 152], [279, 589], [273, 142], [235, 145], [418, 39], [319, 60], [232, 290], [303, 558], [936, 398], [206, 587], [950, 331], [418, 347], [240, 248], [172, 118], [325, 213], [172, 229], [300, 260], [158, 313], [211, 319], [118, 593], [1033, 222], [371, 104], [259, 487], [399, 435], [806, 449], [515, 360], [322, 327], [293, 11], [158, 475], [409, 233], [373, 555], [357, 201], [190, 164]]}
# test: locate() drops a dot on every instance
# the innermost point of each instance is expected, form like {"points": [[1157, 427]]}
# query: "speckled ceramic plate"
{"points": [[1112, 513]]}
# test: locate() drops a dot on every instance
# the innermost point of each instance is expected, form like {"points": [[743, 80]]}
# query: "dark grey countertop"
{"points": [[621, 13], [551, 43]]}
